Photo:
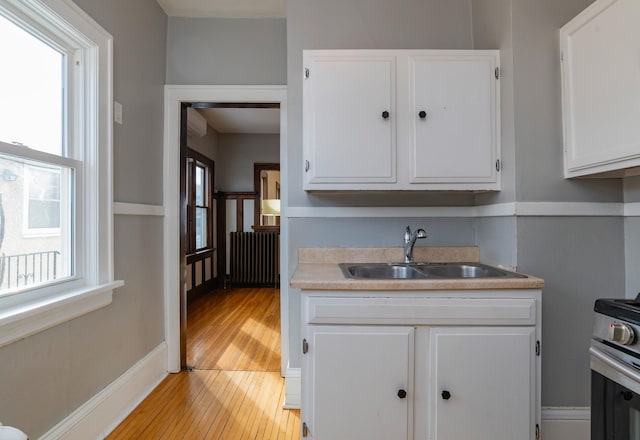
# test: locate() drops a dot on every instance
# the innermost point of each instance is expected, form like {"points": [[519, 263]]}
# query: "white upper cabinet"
{"points": [[454, 126], [350, 124], [601, 89], [401, 120]]}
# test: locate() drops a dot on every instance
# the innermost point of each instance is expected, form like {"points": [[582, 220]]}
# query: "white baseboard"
{"points": [[107, 409], [566, 423], [292, 388]]}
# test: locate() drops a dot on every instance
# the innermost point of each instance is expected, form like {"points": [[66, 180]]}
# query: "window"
{"points": [[199, 202], [55, 164], [42, 199]]}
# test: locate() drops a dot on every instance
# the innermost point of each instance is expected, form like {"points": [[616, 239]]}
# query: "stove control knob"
{"points": [[621, 333]]}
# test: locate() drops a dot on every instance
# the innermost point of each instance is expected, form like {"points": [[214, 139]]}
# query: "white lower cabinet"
{"points": [[482, 383], [360, 377], [459, 368]]}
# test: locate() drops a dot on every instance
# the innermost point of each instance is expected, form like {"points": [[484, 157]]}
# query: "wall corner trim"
{"points": [[107, 409], [293, 387]]}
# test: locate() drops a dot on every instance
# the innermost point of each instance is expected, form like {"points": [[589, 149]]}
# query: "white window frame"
{"points": [[89, 134]]}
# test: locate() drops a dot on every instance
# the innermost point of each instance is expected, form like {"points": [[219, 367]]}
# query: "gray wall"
{"points": [[46, 376], [632, 238], [207, 145], [236, 155], [492, 30], [581, 259], [139, 48], [538, 117], [497, 239], [567, 252], [225, 51]]}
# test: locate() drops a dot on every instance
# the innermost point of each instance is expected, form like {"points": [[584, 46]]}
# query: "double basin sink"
{"points": [[413, 271]]}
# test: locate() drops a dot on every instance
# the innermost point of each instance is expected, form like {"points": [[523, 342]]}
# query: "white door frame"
{"points": [[174, 95]]}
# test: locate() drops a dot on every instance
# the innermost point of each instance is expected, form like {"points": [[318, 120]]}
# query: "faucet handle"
{"points": [[421, 233]]}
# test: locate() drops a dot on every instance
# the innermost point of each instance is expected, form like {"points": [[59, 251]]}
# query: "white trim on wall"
{"points": [[120, 208], [632, 209], [569, 209], [293, 388], [519, 209], [566, 423], [380, 212], [174, 96], [107, 409]]}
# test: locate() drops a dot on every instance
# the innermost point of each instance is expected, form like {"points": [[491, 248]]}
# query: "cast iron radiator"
{"points": [[255, 258]]}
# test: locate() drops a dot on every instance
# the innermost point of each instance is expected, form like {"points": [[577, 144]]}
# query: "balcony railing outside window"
{"points": [[27, 269]]}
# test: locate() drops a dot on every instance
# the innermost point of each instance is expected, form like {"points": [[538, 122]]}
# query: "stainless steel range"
{"points": [[615, 370]]}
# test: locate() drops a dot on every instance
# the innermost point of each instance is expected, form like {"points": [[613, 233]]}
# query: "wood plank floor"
{"points": [[234, 390]]}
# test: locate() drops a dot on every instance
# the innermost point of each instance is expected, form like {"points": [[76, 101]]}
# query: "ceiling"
{"points": [[225, 8], [243, 120]]}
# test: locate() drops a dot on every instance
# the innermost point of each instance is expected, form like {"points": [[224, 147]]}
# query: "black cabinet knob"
{"points": [[402, 394], [446, 395], [385, 114], [422, 114], [626, 395]]}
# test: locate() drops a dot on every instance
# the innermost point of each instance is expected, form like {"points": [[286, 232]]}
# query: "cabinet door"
{"points": [[349, 119], [601, 88], [454, 120], [354, 377], [482, 383]]}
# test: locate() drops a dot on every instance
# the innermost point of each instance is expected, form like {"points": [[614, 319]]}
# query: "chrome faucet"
{"points": [[410, 241]]}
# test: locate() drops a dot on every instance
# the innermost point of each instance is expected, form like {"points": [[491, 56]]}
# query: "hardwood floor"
{"points": [[234, 390]]}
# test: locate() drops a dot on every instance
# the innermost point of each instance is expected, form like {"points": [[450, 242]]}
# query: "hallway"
{"points": [[233, 389]]}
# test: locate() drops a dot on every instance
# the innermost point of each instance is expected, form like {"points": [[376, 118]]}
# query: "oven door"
{"points": [[615, 394]]}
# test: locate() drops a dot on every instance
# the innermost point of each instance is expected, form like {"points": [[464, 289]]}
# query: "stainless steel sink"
{"points": [[467, 270], [408, 271], [382, 271]]}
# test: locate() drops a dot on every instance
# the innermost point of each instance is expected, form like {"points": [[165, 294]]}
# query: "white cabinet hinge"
{"points": [[497, 73], [306, 73]]}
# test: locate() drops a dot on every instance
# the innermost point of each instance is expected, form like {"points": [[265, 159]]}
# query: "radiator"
{"points": [[254, 258]]}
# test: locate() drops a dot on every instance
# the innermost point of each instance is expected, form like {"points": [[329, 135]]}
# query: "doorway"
{"points": [[175, 97]]}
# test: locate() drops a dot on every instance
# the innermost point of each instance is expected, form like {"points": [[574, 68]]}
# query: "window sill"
{"points": [[25, 319]]}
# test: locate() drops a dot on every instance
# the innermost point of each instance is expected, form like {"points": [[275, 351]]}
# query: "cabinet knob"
{"points": [[385, 114], [422, 114], [446, 395], [626, 395], [402, 394]]}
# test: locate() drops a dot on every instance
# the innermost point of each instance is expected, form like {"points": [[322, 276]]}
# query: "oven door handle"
{"points": [[618, 366]]}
